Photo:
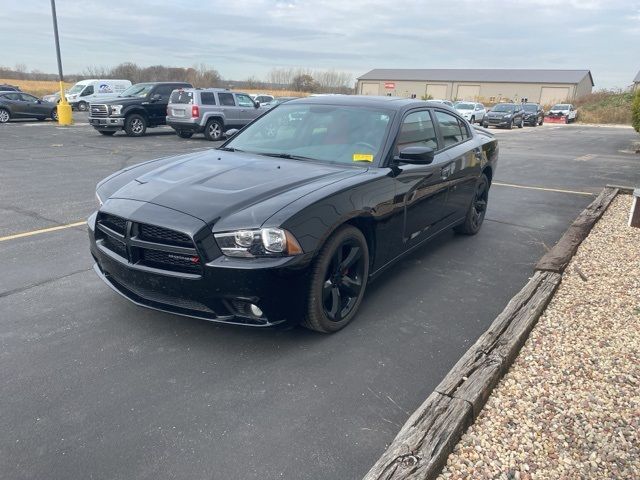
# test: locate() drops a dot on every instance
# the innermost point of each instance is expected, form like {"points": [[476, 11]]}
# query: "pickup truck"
{"points": [[141, 106]]}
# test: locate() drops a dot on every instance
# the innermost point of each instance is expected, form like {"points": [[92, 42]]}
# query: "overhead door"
{"points": [[468, 92], [437, 90], [369, 88], [551, 95]]}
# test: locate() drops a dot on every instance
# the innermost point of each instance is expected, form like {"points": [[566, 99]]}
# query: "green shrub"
{"points": [[635, 111]]}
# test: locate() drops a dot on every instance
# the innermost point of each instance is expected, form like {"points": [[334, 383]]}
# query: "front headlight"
{"points": [[507, 116], [115, 109], [264, 242]]}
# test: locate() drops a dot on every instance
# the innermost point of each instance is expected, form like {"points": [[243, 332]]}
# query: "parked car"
{"points": [[141, 106], [52, 97], [291, 227], [471, 111], [278, 101], [22, 105], [533, 114], [504, 115], [264, 99], [9, 88], [88, 91], [210, 111], [564, 111], [448, 103]]}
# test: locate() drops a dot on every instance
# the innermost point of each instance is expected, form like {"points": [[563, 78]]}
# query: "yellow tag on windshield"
{"points": [[362, 157]]}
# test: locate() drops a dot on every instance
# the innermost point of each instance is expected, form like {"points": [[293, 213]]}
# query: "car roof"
{"points": [[393, 103]]}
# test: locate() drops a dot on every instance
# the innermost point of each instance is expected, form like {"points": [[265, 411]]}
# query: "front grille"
{"points": [[148, 245], [115, 223], [157, 234], [172, 261], [99, 110]]}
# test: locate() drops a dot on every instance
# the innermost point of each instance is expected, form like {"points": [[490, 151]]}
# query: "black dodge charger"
{"points": [[290, 218]]}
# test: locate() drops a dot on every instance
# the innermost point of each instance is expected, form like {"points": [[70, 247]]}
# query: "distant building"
{"points": [[491, 85], [636, 82]]}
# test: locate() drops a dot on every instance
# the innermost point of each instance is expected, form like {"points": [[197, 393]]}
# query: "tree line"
{"points": [[298, 79]]}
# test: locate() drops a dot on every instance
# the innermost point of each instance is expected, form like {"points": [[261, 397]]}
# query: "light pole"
{"points": [[65, 117]]}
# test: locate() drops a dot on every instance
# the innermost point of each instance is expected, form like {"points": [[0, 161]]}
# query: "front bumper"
{"points": [[185, 124], [223, 288], [496, 122], [107, 123]]}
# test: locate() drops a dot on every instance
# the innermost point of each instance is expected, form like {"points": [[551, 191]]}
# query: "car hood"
{"points": [[228, 189]]}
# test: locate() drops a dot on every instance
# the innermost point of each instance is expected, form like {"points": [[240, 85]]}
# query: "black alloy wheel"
{"points": [[338, 281], [477, 209]]}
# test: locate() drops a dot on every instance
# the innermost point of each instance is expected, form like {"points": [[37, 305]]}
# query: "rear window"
{"points": [[207, 98], [180, 96]]}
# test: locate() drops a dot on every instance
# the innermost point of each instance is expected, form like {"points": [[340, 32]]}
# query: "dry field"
{"points": [[35, 87]]}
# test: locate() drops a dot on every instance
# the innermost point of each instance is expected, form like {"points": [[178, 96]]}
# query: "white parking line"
{"points": [[42, 230], [544, 189]]}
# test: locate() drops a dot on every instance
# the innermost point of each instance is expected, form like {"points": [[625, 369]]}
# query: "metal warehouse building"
{"points": [[543, 86]]}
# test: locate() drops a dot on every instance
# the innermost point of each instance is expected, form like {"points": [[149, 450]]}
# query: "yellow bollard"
{"points": [[65, 117]]}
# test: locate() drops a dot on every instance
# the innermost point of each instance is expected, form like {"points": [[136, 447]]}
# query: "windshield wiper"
{"points": [[230, 149], [287, 156]]}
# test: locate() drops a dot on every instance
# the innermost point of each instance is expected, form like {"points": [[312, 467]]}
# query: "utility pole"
{"points": [[65, 117]]}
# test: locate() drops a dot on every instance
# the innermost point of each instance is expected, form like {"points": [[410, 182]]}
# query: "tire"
{"points": [[83, 106], [473, 120], [477, 209], [510, 126], [5, 116], [521, 124], [213, 130], [338, 281], [541, 121], [566, 120], [54, 115], [485, 125], [135, 125], [185, 134], [106, 133]]}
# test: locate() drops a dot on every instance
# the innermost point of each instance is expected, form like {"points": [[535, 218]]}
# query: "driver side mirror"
{"points": [[416, 155], [256, 104]]}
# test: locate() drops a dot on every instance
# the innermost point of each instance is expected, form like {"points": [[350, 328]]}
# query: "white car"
{"points": [[471, 111], [264, 98], [565, 110], [446, 102]]}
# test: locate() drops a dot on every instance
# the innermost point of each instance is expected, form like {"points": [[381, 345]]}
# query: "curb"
{"points": [[422, 446]]}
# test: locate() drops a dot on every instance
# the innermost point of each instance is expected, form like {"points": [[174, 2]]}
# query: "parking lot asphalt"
{"points": [[95, 387]]}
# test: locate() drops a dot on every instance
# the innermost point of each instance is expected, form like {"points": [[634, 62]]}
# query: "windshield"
{"points": [[77, 88], [464, 106], [530, 108], [504, 107], [137, 90], [326, 133], [560, 106]]}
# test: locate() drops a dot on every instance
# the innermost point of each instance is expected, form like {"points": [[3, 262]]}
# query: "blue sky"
{"points": [[243, 38]]}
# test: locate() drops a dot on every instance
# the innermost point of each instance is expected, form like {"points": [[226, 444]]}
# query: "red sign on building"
{"points": [[389, 85]]}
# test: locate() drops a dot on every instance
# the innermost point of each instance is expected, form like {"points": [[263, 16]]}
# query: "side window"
{"points": [[244, 100], [87, 91], [417, 131], [226, 99], [207, 98], [450, 128], [164, 91], [28, 98], [13, 96]]}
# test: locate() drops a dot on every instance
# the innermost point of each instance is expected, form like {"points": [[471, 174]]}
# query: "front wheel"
{"points": [[83, 106], [135, 125], [510, 125], [521, 124], [475, 214], [54, 114], [338, 281]]}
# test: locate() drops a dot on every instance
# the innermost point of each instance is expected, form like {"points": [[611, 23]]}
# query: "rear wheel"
{"points": [[475, 215], [135, 125], [4, 115], [83, 106], [106, 133], [338, 281], [213, 130], [54, 114], [185, 134]]}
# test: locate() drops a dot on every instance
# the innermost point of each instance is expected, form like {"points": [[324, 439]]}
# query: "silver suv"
{"points": [[210, 111]]}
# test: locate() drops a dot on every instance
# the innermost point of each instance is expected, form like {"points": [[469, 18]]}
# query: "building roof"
{"points": [[637, 79], [479, 75]]}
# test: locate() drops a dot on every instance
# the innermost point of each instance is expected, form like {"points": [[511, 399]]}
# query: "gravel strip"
{"points": [[569, 408]]}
